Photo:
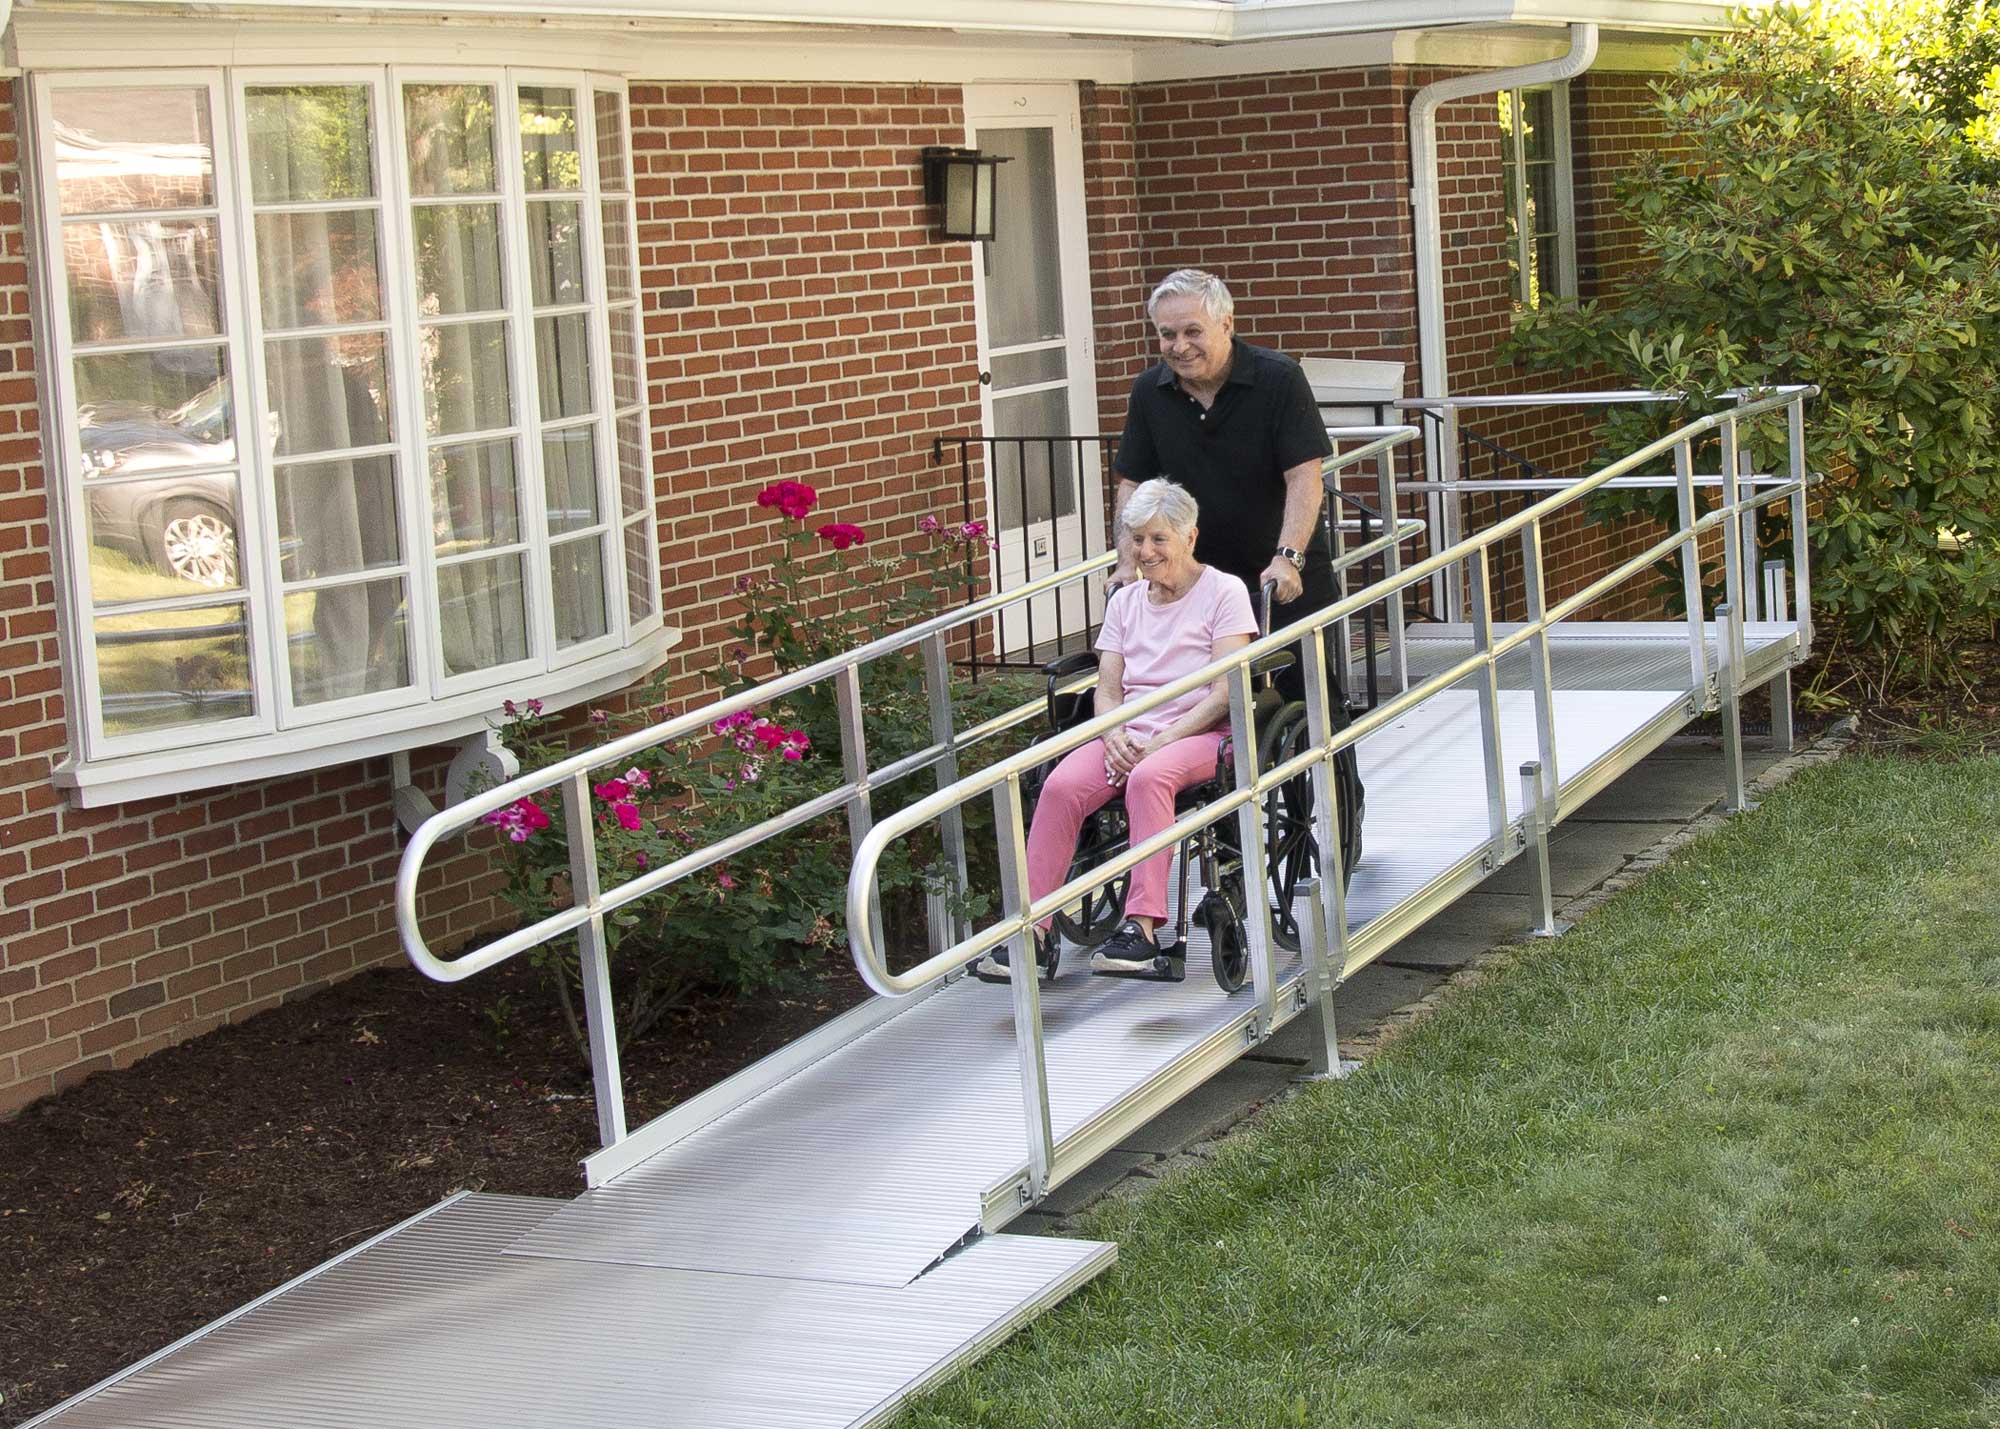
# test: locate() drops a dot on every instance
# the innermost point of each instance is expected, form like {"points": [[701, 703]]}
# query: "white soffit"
{"points": [[1201, 22]]}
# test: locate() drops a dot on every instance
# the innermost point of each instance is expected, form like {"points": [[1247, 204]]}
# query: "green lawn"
{"points": [[1727, 1154]]}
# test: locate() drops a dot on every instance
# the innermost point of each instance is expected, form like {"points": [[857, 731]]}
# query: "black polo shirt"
{"points": [[1232, 457]]}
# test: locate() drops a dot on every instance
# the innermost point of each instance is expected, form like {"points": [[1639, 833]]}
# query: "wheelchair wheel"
{"points": [[1096, 916], [1228, 940], [1291, 854]]}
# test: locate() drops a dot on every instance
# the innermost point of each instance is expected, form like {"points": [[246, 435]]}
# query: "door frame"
{"points": [[1053, 106]]}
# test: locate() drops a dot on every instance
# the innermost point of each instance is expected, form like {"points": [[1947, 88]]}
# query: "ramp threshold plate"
{"points": [[433, 1328]]}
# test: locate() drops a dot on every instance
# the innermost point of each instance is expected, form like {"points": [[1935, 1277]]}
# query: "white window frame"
{"points": [[279, 736], [1514, 176]]}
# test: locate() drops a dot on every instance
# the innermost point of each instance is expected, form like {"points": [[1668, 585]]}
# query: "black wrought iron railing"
{"points": [[1038, 491]]}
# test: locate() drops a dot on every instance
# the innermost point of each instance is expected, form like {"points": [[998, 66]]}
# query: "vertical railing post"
{"points": [[1489, 708], [1782, 738], [1795, 464], [1541, 656], [594, 963], [1697, 621], [1732, 527], [946, 912], [1250, 830], [854, 771], [1752, 609], [1392, 566], [1025, 979], [1536, 820], [1451, 514], [1326, 897]]}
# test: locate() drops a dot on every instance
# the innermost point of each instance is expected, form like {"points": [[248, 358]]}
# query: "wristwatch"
{"points": [[1297, 558]]}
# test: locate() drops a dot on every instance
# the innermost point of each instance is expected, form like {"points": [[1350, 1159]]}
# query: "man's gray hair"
{"points": [[1168, 500], [1207, 289]]}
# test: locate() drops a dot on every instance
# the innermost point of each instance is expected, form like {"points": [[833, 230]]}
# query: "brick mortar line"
{"points": [[1828, 747]]}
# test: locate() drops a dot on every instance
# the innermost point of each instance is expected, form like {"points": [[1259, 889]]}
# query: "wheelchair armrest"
{"points": [[1063, 667], [1272, 663]]}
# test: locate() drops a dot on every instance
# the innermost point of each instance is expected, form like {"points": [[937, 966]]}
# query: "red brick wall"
{"points": [[802, 322]]}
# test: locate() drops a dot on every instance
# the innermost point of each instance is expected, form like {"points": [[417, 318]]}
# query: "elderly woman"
{"points": [[1176, 618]]}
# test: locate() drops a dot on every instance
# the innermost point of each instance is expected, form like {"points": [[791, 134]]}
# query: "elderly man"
{"points": [[1238, 427]]}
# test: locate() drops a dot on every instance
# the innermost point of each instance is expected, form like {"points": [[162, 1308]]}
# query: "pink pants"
{"points": [[1077, 788]]}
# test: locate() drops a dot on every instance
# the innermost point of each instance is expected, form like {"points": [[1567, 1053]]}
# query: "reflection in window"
{"points": [[1534, 150]]}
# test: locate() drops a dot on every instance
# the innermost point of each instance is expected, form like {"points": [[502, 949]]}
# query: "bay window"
{"points": [[345, 368]]}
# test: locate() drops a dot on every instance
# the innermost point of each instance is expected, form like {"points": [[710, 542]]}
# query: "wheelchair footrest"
{"points": [[1166, 965]]}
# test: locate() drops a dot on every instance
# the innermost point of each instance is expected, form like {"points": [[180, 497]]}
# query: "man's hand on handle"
{"points": [[1285, 576]]}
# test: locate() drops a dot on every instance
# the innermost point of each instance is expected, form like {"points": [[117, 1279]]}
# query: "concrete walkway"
{"points": [[1628, 829]]}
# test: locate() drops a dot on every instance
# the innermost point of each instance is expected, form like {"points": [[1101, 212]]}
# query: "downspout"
{"points": [[1441, 456]]}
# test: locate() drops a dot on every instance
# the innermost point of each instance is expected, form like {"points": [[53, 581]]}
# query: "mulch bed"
{"points": [[145, 1203]]}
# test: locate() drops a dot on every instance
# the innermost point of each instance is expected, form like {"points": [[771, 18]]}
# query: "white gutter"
{"points": [[1441, 456]]}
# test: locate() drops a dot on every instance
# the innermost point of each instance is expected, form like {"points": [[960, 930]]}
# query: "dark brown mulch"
{"points": [[144, 1203]]}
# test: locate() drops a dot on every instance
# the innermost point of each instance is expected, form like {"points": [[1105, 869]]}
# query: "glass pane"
{"points": [[1023, 264], [1548, 278], [620, 282], [310, 143], [640, 559], [562, 365], [569, 471], [576, 569], [624, 357], [611, 175], [450, 128], [132, 149], [169, 536], [141, 278], [1033, 479], [314, 269], [474, 502], [1538, 124], [1509, 150], [337, 518], [458, 259], [173, 667], [482, 614], [1019, 369], [465, 378], [634, 469], [1541, 198], [549, 156], [555, 252], [327, 394], [154, 411], [347, 640]]}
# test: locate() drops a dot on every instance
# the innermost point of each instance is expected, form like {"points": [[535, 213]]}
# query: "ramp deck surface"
{"points": [[812, 1254]]}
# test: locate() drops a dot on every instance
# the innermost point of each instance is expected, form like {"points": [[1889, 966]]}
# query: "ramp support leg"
{"points": [[1729, 657], [1782, 737], [1535, 805], [1316, 991]]}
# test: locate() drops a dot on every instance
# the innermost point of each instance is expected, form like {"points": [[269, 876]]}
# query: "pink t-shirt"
{"points": [[1161, 643]]}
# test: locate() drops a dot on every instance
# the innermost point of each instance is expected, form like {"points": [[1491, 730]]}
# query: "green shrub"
{"points": [[1814, 218]]}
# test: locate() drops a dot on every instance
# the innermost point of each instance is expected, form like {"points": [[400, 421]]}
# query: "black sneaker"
{"points": [[1130, 953], [995, 966]]}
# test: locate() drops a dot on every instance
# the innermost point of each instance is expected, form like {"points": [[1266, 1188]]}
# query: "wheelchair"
{"points": [[1290, 854]]}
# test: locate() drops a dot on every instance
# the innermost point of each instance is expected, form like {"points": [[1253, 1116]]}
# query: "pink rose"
{"points": [[628, 817], [842, 535]]}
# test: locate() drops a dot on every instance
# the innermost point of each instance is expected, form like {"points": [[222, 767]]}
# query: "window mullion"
{"points": [[611, 566], [528, 406]]}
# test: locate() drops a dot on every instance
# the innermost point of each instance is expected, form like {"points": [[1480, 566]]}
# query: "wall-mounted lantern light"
{"points": [[960, 182]]}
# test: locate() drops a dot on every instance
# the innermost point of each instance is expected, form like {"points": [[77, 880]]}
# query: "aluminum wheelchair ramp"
{"points": [[431, 1327]]}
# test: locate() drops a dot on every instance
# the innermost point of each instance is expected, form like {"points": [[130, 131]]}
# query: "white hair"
{"points": [[1168, 500], [1205, 288]]}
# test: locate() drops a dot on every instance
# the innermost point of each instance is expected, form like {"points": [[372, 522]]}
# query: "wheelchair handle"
{"points": [[1270, 595]]}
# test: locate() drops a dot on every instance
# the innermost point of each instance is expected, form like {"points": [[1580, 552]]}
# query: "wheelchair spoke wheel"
{"points": [[1291, 854], [1095, 916]]}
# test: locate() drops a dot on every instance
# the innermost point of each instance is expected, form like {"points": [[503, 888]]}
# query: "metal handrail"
{"points": [[592, 903], [1003, 780]]}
